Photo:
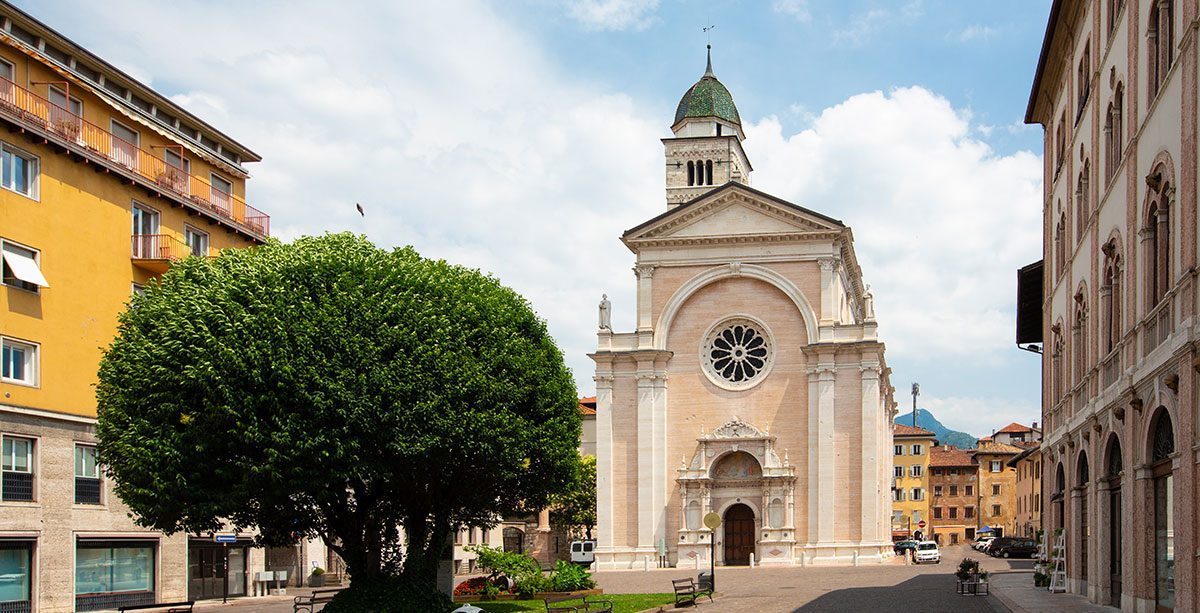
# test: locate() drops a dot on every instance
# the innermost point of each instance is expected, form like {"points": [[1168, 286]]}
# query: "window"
{"points": [[969, 512], [918, 494], [1060, 144], [1084, 79], [87, 475], [21, 267], [953, 535], [222, 191], [995, 489], [178, 168], [916, 470], [16, 564], [18, 171], [1060, 246], [20, 363], [952, 471], [898, 471], [137, 289], [899, 449], [113, 574], [953, 512], [691, 166], [1110, 296], [124, 145], [65, 114], [953, 490], [898, 495], [937, 490], [1160, 37], [997, 466], [708, 172], [1114, 141], [995, 510], [937, 512], [969, 490], [145, 233], [1158, 236], [1114, 7], [59, 98], [916, 449], [196, 240], [17, 468]]}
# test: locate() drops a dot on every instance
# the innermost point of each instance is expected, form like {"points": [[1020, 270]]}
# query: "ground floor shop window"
{"points": [[16, 576], [113, 574], [209, 576]]}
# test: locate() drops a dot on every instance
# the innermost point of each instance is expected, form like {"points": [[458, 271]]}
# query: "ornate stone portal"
{"points": [[737, 464]]}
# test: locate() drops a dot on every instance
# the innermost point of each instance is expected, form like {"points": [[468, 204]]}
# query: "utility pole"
{"points": [[916, 391]]}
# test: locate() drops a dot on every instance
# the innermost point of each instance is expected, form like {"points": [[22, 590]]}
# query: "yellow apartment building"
{"points": [[997, 487], [910, 480], [954, 478], [104, 183], [1028, 466]]}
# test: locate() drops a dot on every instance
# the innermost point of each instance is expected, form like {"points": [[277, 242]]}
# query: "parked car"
{"points": [[901, 547], [583, 552], [982, 542], [927, 551], [1013, 547]]}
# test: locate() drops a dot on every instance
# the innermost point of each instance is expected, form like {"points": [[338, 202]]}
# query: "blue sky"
{"points": [[522, 138]]}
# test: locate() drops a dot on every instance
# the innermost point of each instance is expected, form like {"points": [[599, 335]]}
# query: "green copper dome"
{"points": [[708, 98]]}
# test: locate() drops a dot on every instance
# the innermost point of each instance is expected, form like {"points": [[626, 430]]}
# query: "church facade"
{"points": [[754, 385]]}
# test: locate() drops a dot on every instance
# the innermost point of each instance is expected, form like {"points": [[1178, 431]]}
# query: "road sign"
{"points": [[712, 520], [921, 524], [225, 538]]}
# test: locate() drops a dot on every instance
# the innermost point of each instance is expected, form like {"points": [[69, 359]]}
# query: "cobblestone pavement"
{"points": [[894, 586]]}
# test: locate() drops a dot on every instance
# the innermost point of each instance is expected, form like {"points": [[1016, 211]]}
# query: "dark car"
{"points": [[1013, 547], [904, 546]]}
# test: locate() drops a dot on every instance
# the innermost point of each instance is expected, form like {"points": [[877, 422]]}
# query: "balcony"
{"points": [[156, 252], [31, 111]]}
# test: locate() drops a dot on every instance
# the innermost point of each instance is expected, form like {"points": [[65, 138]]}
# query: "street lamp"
{"points": [[916, 391]]}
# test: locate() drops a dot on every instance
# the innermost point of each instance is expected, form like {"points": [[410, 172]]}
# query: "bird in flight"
{"points": [[360, 209]]}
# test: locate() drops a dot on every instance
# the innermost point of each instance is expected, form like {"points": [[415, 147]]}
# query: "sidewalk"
{"points": [[1015, 590]]}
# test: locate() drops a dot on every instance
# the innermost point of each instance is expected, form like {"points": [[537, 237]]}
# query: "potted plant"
{"points": [[317, 578]]}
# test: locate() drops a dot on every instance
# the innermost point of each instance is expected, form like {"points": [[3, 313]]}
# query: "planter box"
{"points": [[316, 580]]}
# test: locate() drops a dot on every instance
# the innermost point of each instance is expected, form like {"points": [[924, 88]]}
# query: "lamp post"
{"points": [[916, 391]]}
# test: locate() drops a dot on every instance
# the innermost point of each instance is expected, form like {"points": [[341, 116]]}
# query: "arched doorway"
{"points": [[1082, 477], [1162, 449], [1115, 519], [739, 535], [1056, 496], [514, 540]]}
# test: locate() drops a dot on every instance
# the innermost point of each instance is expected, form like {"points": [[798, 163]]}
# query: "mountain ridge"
{"points": [[944, 435]]}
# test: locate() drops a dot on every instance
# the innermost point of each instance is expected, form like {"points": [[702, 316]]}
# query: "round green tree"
{"points": [[331, 388]]}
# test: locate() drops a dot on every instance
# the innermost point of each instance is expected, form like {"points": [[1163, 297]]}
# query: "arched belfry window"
{"points": [[691, 173], [708, 171]]}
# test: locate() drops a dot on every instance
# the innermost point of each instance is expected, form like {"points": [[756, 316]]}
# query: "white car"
{"points": [[927, 551], [983, 542]]}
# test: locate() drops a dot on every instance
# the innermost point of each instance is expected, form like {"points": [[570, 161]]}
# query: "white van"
{"points": [[583, 552]]}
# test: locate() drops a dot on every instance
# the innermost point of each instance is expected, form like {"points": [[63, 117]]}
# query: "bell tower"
{"points": [[706, 149]]}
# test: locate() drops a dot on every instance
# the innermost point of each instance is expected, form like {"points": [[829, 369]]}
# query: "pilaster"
{"points": [[822, 453], [645, 304], [870, 446], [604, 461], [829, 272]]}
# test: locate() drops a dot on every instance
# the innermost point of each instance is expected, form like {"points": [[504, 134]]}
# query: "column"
{"points": [[604, 462], [645, 323], [822, 454], [870, 447], [828, 291], [658, 459], [647, 514]]}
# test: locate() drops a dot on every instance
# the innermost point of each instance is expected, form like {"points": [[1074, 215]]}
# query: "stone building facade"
{"points": [[954, 479], [1116, 91], [1028, 466], [754, 385], [997, 487]]}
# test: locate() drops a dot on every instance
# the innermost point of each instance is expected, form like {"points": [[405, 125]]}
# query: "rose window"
{"points": [[737, 353]]}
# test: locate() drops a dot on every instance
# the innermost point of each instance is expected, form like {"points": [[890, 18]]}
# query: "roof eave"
{"points": [[1043, 58]]}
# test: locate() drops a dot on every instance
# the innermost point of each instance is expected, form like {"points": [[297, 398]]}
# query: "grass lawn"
{"points": [[622, 603]]}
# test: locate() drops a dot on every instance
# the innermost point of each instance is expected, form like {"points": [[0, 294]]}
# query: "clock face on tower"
{"points": [[737, 353]]}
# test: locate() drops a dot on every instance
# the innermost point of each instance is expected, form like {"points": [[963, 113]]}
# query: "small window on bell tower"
{"points": [[718, 129]]}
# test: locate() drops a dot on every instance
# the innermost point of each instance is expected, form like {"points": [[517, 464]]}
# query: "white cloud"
{"points": [[861, 28], [613, 14], [797, 9], [973, 33], [941, 223], [966, 413]]}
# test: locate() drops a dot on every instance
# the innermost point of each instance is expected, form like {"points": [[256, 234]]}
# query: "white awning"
{"points": [[25, 268]]}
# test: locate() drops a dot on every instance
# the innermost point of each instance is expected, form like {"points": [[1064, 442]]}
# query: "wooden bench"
{"points": [[686, 590], [171, 607], [587, 607], [307, 603]]}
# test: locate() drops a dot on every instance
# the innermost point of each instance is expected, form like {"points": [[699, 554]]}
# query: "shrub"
{"points": [[498, 562], [529, 585], [570, 577], [318, 571], [966, 569], [1041, 580]]}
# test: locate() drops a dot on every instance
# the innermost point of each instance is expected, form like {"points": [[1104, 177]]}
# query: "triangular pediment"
{"points": [[733, 210]]}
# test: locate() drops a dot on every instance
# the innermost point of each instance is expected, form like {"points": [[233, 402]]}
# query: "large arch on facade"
{"points": [[729, 271]]}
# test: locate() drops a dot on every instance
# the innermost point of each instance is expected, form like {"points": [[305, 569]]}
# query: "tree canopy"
{"points": [[330, 388], [573, 509]]}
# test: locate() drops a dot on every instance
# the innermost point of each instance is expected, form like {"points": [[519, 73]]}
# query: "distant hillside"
{"points": [[944, 435]]}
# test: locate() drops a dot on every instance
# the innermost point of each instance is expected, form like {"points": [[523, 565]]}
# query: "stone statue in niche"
{"points": [[605, 313], [738, 465], [868, 305]]}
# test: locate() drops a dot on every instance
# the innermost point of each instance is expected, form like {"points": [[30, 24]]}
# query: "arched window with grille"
{"points": [[1160, 36]]}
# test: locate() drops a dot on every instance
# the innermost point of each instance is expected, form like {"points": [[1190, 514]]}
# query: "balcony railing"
{"points": [[162, 247], [39, 113], [1158, 325]]}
